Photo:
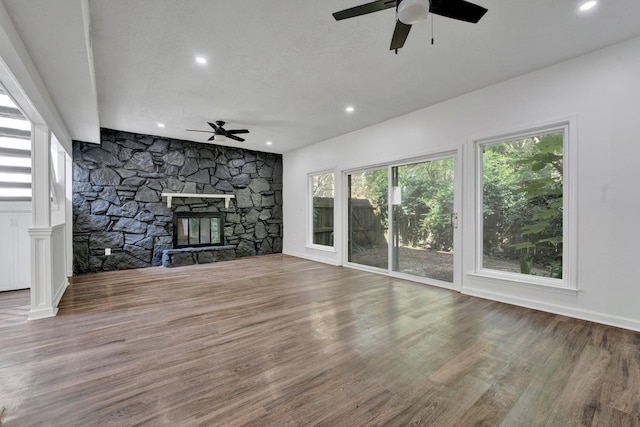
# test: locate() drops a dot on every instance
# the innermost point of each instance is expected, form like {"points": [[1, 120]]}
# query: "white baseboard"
{"points": [[592, 316], [312, 258], [58, 296], [42, 313]]}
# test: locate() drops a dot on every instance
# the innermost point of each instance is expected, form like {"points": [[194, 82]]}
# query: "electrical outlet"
{"points": [[107, 251]]}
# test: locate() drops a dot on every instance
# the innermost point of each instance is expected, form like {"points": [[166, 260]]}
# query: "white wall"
{"points": [[61, 220], [15, 261], [59, 279], [601, 91]]}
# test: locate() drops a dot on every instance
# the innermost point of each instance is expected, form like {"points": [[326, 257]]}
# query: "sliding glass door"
{"points": [[368, 218], [424, 219], [402, 218]]}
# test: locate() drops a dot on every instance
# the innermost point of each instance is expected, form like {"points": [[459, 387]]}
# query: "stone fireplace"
{"points": [[127, 190], [192, 230], [198, 238]]}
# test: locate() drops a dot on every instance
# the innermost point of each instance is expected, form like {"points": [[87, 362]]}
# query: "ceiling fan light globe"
{"points": [[413, 11], [220, 138]]}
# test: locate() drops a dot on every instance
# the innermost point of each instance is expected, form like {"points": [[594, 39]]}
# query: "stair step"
{"points": [[15, 152], [11, 113], [4, 184], [15, 133], [15, 169]]}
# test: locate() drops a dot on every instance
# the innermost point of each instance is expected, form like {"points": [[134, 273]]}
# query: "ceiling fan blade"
{"points": [[212, 138], [399, 35], [196, 130], [238, 131], [457, 9], [363, 9], [214, 126], [237, 138]]}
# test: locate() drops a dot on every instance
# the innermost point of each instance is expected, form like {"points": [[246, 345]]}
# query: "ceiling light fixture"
{"points": [[413, 11], [219, 138], [588, 5], [269, 143], [160, 125], [201, 60], [349, 109]]}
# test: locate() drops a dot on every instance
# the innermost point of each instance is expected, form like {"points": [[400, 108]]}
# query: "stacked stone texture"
{"points": [[117, 199]]}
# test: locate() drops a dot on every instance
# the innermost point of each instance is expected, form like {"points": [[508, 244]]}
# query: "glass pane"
{"points": [[215, 230], [205, 230], [183, 232], [522, 205], [322, 195], [369, 218], [194, 231], [422, 210]]}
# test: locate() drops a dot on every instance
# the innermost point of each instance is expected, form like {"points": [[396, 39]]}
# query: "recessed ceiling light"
{"points": [[269, 143], [588, 5], [160, 125], [201, 60], [349, 109]]}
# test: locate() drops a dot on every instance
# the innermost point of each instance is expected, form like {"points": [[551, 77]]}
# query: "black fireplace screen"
{"points": [[198, 229]]}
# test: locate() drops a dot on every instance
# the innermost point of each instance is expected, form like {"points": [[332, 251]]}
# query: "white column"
{"points": [[42, 304]]}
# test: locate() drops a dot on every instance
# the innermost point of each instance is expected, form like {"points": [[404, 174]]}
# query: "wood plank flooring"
{"points": [[281, 341], [14, 307]]}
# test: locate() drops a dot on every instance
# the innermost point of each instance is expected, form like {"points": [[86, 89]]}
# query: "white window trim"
{"points": [[310, 243], [570, 216]]}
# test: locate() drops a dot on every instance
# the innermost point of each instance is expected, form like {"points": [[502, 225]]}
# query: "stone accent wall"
{"points": [[117, 200]]}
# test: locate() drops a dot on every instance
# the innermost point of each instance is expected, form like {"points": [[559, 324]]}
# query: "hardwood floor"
{"points": [[14, 307], [281, 341]]}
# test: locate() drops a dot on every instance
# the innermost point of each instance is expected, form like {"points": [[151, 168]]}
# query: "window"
{"points": [[321, 187], [15, 152], [523, 206]]}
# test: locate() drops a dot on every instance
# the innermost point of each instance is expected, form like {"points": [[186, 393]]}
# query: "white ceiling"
{"points": [[286, 69]]}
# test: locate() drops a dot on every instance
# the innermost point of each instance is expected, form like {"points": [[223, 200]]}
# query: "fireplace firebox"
{"points": [[195, 229]]}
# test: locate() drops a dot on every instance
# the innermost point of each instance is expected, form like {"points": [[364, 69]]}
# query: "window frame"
{"points": [[569, 220], [310, 224]]}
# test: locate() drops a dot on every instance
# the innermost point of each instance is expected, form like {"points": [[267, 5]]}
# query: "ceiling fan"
{"points": [[220, 133], [410, 12]]}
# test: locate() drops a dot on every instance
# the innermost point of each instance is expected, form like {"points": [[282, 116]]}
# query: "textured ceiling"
{"points": [[286, 69]]}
